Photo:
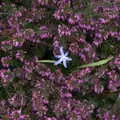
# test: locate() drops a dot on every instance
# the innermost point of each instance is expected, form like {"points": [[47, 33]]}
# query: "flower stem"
{"points": [[46, 61]]}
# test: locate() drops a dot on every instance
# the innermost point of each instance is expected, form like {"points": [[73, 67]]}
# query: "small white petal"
{"points": [[58, 56], [64, 63], [58, 62], [69, 59], [66, 54], [61, 51]]}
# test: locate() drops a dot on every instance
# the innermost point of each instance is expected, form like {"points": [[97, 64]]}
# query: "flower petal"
{"points": [[58, 56], [68, 59], [66, 54], [61, 51], [64, 63], [58, 62]]}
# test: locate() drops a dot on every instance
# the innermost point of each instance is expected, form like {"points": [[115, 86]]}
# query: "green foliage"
{"points": [[25, 3], [108, 47], [16, 63], [99, 63], [3, 92]]}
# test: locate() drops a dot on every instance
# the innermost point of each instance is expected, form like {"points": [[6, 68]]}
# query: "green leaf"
{"points": [[99, 63], [16, 63], [116, 107]]}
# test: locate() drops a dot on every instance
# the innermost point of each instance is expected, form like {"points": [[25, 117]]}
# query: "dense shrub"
{"points": [[33, 30]]}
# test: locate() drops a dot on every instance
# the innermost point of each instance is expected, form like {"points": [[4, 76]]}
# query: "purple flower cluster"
{"points": [[89, 30]]}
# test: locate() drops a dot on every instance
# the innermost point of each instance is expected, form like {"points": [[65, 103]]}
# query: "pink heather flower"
{"points": [[6, 61], [64, 30], [6, 76], [17, 115], [71, 21], [44, 35], [102, 20], [98, 88], [53, 118], [117, 61], [20, 55]]}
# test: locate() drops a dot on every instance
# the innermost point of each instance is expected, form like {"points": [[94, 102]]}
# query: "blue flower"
{"points": [[62, 58]]}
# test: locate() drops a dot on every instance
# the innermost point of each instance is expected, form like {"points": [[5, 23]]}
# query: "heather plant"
{"points": [[59, 60]]}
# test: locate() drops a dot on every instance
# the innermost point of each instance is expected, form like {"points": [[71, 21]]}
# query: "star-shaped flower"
{"points": [[62, 58]]}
